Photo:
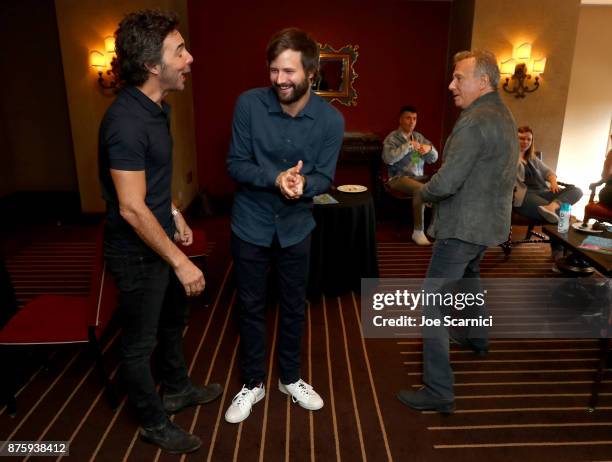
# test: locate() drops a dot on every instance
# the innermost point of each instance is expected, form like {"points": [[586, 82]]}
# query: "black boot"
{"points": [[424, 400], [192, 396], [171, 438]]}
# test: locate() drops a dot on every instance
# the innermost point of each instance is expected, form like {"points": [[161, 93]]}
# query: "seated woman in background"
{"points": [[605, 195], [533, 197]]}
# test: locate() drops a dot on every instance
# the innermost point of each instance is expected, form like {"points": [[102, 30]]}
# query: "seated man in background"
{"points": [[405, 153]]}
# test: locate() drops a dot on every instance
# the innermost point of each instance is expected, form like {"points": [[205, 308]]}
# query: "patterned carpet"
{"points": [[526, 400]]}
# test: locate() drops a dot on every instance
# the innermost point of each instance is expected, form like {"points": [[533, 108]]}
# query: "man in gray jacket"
{"points": [[472, 193]]}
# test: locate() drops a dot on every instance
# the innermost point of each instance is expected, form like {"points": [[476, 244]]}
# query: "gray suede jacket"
{"points": [[472, 191]]}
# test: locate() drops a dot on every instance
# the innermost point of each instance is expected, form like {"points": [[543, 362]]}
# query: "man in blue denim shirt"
{"points": [[284, 148], [406, 151], [472, 196]]}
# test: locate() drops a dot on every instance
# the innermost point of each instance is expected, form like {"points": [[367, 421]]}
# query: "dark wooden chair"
{"points": [[595, 209], [399, 202]]}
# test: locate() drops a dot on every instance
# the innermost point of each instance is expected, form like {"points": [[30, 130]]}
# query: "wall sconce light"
{"points": [[103, 64], [518, 71]]}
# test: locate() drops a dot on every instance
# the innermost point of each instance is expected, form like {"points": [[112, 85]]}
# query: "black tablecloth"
{"points": [[343, 245]]}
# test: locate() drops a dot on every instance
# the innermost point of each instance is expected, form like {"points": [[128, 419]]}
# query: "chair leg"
{"points": [[507, 246], [109, 389]]}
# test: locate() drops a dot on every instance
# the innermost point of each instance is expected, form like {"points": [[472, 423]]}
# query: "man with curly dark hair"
{"points": [[142, 225]]}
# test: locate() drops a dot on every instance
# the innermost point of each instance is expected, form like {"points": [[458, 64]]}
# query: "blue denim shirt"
{"points": [[402, 159], [266, 141]]}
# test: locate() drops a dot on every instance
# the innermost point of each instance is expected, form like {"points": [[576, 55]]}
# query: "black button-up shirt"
{"points": [[266, 141], [135, 135]]}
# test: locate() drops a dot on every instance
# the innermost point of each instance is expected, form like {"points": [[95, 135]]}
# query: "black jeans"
{"points": [[252, 264], [152, 304]]}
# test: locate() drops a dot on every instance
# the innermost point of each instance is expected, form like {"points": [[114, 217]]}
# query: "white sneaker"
{"points": [[243, 403], [420, 238], [303, 394], [548, 215]]}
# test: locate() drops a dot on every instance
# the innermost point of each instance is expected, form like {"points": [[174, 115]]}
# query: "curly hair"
{"points": [[295, 39], [138, 43]]}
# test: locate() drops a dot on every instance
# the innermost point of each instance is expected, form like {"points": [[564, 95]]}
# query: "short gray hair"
{"points": [[486, 64]]}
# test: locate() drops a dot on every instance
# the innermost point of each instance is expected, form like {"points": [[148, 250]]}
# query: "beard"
{"points": [[299, 90]]}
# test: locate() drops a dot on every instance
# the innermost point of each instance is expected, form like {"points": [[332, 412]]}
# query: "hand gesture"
{"points": [[424, 149], [291, 182], [554, 187]]}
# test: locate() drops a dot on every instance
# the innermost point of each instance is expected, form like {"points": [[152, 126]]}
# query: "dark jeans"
{"points": [[252, 264], [152, 305], [535, 198], [452, 260]]}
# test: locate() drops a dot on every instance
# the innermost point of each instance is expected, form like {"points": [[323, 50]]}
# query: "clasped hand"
{"points": [[422, 149], [291, 182]]}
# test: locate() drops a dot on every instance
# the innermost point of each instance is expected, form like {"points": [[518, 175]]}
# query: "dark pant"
{"points": [[152, 305], [452, 260], [252, 264], [534, 198]]}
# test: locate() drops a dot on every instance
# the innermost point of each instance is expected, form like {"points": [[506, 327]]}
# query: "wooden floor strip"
{"points": [[73, 393], [213, 359], [331, 381], [222, 406], [351, 383], [525, 409], [40, 399], [533, 425], [237, 445], [110, 425], [512, 361], [264, 424], [503, 384], [522, 371], [366, 358], [525, 444], [210, 318], [310, 414], [30, 380], [287, 430], [516, 340], [90, 409], [538, 350], [529, 395]]}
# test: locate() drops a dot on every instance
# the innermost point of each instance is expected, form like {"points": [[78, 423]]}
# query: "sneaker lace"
{"points": [[303, 389], [243, 398]]}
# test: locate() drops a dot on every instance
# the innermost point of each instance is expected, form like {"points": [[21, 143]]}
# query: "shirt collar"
{"points": [[147, 103], [310, 110], [491, 96]]}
